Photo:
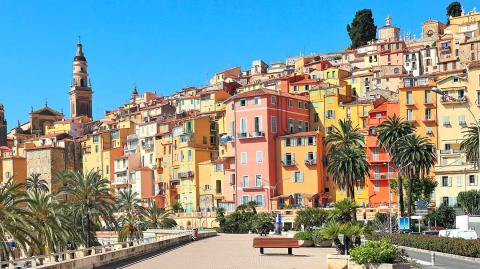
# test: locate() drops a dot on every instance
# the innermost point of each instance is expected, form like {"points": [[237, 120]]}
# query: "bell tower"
{"points": [[3, 127], [80, 87]]}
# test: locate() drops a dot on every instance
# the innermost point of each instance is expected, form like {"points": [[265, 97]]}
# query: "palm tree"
{"points": [[131, 212], [417, 155], [349, 168], [389, 133], [90, 205], [155, 216], [48, 225], [13, 225], [342, 211], [35, 184], [470, 144], [344, 136]]}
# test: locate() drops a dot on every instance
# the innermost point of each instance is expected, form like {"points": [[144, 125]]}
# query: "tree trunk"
{"points": [[400, 196], [88, 231], [352, 197], [410, 192]]}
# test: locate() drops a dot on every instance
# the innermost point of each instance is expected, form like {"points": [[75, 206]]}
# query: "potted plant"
{"points": [[379, 255], [305, 238], [319, 240]]}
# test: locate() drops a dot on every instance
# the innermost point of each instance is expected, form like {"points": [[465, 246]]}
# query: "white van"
{"points": [[457, 233]]}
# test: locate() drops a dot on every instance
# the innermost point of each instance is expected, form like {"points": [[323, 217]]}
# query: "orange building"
{"points": [[382, 169]]}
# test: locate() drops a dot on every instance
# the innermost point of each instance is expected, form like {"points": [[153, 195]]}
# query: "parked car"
{"points": [[457, 233], [431, 232]]}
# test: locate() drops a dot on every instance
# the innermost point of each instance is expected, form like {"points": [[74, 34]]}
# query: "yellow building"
{"points": [[417, 104], [301, 172], [211, 185], [73, 126], [14, 167], [452, 172], [212, 100]]}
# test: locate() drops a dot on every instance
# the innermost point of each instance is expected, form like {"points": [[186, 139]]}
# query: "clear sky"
{"points": [[167, 45]]}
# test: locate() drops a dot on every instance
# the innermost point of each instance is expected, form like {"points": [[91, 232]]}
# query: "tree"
{"points": [[453, 10], [311, 218], [362, 29], [443, 216], [470, 144], [35, 184], [157, 217], [381, 222], [470, 201], [177, 207], [344, 136], [342, 211], [349, 169], [389, 133], [351, 232], [423, 188], [417, 155], [90, 206], [131, 213], [13, 224]]}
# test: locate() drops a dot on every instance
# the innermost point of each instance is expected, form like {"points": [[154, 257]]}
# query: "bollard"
{"points": [[433, 258]]}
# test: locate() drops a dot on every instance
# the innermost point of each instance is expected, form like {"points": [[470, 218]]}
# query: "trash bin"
{"points": [[195, 233]]}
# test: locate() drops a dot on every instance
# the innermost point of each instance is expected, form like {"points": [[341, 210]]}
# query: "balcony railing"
{"points": [[185, 174], [288, 162], [245, 135], [310, 161], [452, 100], [120, 181]]}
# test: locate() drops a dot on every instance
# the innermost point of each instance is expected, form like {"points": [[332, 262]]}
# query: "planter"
{"points": [[337, 261], [353, 265], [305, 243], [324, 244]]}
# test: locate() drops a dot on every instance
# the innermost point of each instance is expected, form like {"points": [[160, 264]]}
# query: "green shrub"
{"points": [[306, 235], [167, 223], [376, 252], [311, 218], [456, 246], [317, 237]]}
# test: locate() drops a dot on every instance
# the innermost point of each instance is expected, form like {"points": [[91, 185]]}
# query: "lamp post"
{"points": [[441, 93]]}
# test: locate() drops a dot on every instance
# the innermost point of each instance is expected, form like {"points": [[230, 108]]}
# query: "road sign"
{"points": [[404, 223], [279, 218]]}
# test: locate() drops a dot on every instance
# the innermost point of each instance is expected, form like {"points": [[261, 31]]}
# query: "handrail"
{"points": [[54, 258]]}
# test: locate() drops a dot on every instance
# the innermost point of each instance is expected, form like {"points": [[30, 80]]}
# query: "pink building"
{"points": [[255, 119]]}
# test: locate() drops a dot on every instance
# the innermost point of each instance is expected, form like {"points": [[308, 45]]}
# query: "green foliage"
{"points": [[343, 211], [422, 188], [375, 252], [362, 29], [456, 246], [470, 143], [243, 220], [177, 207], [470, 201], [167, 223], [311, 217], [263, 222], [453, 10], [157, 217], [317, 237], [443, 216], [380, 222], [305, 235], [351, 232]]}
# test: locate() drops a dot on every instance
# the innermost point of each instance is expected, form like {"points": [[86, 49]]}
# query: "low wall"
{"points": [[101, 259]]}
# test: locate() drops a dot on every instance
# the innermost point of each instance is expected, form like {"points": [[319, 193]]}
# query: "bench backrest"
{"points": [[266, 242]]}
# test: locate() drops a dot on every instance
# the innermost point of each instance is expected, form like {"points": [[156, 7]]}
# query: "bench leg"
{"points": [[261, 250], [289, 251]]}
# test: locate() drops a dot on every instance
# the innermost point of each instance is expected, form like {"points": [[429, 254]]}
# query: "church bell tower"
{"points": [[80, 87]]}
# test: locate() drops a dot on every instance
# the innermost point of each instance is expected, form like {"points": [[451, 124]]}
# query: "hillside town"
{"points": [[257, 133]]}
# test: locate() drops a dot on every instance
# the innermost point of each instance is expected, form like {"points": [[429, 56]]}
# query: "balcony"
{"points": [[225, 139], [384, 176], [184, 175], [122, 180], [410, 104], [310, 161], [429, 119], [447, 100], [451, 151], [246, 135], [412, 120], [288, 162], [379, 159]]}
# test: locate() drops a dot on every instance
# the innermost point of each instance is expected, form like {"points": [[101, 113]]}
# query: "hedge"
{"points": [[456, 246]]}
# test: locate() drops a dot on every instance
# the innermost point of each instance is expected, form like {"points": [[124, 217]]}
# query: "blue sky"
{"points": [[166, 45]]}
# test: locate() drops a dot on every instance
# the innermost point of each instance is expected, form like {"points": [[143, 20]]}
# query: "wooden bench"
{"points": [[275, 242]]}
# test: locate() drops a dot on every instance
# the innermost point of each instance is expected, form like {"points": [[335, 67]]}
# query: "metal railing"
{"points": [[69, 255]]}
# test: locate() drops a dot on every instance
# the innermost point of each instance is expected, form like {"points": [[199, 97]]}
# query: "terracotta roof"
{"points": [[260, 92], [474, 64], [305, 81]]}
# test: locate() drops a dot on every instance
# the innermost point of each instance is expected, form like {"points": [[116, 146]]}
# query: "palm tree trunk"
{"points": [[352, 197], [400, 196], [88, 231], [410, 192]]}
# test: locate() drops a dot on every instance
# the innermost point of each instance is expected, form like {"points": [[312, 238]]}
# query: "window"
{"points": [[256, 100], [290, 102], [259, 156], [206, 187], [311, 141], [459, 181], [218, 186], [95, 139], [258, 180], [259, 199], [472, 180], [243, 102], [245, 181], [243, 125], [310, 156], [258, 124], [245, 199], [409, 115], [289, 159], [428, 113], [446, 121], [306, 126], [273, 123], [218, 167], [299, 141], [376, 185], [446, 181], [274, 100], [428, 97], [300, 104], [297, 176], [330, 114], [243, 158], [96, 149], [288, 142], [461, 120], [317, 119], [409, 98], [375, 154]]}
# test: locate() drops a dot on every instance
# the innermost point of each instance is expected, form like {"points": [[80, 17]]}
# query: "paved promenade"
{"points": [[229, 251]]}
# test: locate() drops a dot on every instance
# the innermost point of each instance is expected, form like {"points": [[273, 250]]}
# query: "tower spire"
{"points": [[80, 89]]}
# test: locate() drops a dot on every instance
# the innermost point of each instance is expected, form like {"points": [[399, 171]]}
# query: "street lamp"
{"points": [[443, 94]]}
